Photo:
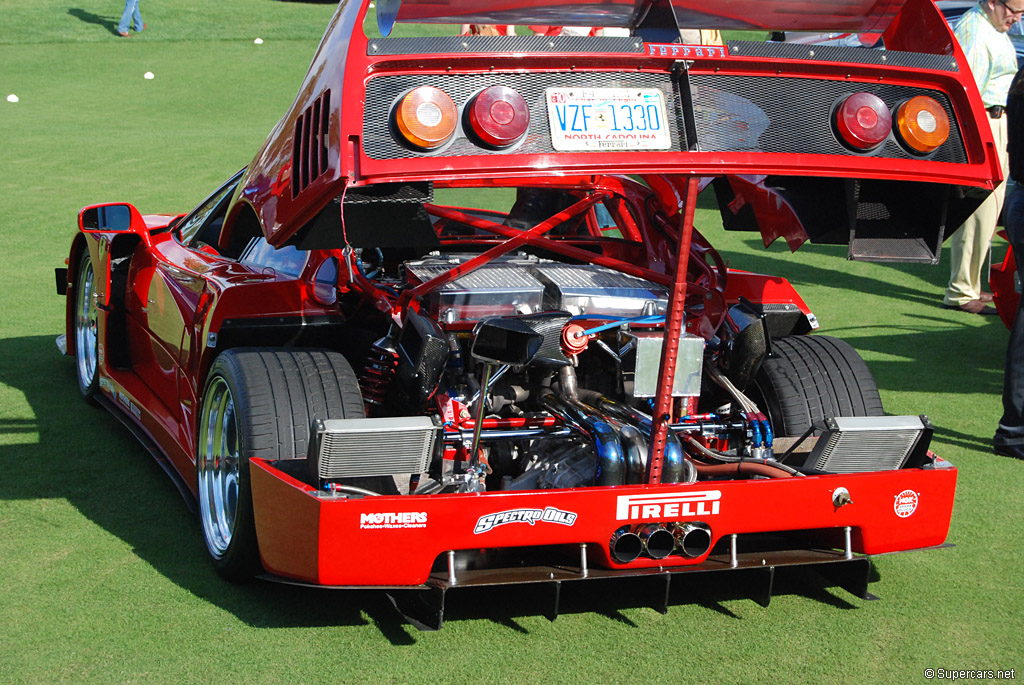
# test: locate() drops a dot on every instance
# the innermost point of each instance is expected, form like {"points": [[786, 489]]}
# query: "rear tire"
{"points": [[811, 378], [259, 403], [86, 328]]}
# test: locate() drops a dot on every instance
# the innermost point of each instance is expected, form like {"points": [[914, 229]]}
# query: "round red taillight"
{"points": [[426, 117], [863, 121], [498, 116]]}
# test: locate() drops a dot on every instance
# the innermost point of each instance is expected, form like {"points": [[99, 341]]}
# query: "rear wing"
{"points": [[871, 16], [760, 117]]}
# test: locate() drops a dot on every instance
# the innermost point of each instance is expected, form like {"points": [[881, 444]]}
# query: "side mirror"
{"points": [[505, 341], [120, 218]]}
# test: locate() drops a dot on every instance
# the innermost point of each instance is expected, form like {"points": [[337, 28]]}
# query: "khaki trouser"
{"points": [[968, 246]]}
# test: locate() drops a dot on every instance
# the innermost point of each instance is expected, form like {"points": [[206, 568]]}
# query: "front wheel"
{"points": [[86, 328]]}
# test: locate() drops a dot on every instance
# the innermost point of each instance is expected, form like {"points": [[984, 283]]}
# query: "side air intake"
{"points": [[310, 143]]}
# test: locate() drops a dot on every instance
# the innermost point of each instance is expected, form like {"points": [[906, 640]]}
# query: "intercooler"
{"points": [[355, 448], [855, 444]]}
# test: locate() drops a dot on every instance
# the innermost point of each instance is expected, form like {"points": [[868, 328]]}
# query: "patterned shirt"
{"points": [[990, 55]]}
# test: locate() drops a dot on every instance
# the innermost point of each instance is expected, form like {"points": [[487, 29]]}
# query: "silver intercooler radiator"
{"points": [[853, 444], [353, 448]]}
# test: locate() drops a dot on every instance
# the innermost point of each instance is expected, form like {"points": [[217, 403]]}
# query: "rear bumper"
{"points": [[399, 541]]}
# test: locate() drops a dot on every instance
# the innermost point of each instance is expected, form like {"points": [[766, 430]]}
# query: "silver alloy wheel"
{"points": [[217, 467], [85, 325]]}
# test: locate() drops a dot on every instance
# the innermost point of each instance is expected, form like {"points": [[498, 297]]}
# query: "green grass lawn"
{"points": [[104, 573]]}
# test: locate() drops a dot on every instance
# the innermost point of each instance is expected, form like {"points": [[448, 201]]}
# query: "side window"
{"points": [[285, 261], [616, 220], [203, 225], [604, 217]]}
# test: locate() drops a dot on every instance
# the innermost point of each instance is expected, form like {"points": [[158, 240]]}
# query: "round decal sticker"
{"points": [[905, 504]]}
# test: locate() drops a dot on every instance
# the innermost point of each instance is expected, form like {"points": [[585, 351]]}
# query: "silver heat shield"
{"points": [[647, 366], [353, 448], [854, 444]]}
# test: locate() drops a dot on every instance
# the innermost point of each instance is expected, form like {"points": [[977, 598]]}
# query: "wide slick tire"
{"points": [[259, 403], [811, 378], [86, 324]]}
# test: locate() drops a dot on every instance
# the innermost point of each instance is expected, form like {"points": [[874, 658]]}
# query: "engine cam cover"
{"points": [[527, 285]]}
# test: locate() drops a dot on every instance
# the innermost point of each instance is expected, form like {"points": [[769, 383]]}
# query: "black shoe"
{"points": [[1012, 451]]}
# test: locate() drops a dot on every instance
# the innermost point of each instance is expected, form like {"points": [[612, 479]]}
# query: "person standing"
{"points": [[1009, 437], [982, 33], [132, 15]]}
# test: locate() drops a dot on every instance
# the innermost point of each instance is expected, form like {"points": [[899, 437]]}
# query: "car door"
{"points": [[171, 287]]}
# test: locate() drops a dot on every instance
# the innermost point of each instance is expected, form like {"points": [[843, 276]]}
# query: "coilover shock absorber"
{"points": [[380, 369]]}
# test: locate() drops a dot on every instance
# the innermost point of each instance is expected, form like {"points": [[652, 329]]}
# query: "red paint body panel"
{"points": [[342, 66], [349, 553], [762, 288], [1001, 280]]}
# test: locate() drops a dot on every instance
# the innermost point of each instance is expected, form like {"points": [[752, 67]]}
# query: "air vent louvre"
{"points": [[309, 151]]}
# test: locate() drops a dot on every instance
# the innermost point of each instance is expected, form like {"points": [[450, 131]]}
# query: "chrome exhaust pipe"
{"points": [[634, 448], [657, 541], [611, 463], [692, 539], [625, 545], [675, 468]]}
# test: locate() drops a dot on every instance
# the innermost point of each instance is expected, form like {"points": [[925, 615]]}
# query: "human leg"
{"points": [[969, 245], [130, 7], [1011, 426], [137, 17]]}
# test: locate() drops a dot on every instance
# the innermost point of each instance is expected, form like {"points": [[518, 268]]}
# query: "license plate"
{"points": [[607, 119]]}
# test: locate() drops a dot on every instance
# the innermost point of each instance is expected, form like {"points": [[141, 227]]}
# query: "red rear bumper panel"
{"points": [[395, 541]]}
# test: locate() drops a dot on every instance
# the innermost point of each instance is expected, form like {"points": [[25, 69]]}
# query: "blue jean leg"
{"points": [[131, 14]]}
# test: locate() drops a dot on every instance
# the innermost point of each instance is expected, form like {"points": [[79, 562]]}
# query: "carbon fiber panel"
{"points": [[835, 53], [384, 91], [503, 44], [793, 115]]}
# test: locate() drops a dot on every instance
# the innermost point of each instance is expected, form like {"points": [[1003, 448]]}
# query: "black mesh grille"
{"points": [[779, 114], [731, 113], [383, 92], [835, 53]]}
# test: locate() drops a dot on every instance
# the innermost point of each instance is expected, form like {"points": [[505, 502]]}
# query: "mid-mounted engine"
{"points": [[542, 374]]}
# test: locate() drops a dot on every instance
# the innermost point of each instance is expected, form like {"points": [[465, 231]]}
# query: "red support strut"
{"points": [[670, 348]]}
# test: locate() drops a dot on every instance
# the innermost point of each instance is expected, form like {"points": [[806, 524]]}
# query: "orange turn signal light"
{"points": [[426, 117], [922, 123]]}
